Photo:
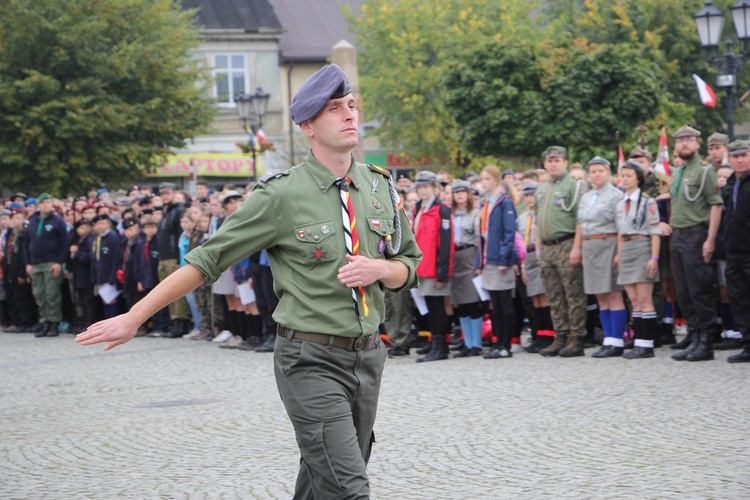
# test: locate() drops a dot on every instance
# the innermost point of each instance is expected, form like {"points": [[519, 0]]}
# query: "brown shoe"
{"points": [[556, 346], [573, 348]]}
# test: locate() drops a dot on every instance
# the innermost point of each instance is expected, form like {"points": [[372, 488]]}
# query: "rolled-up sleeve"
{"points": [[253, 227]]}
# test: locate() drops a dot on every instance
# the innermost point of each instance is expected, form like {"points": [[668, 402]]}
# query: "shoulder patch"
{"points": [[379, 170], [274, 174]]}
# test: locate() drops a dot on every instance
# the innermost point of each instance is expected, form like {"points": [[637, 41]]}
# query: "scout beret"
{"points": [[640, 152], [738, 147], [634, 166], [167, 186], [5, 212], [102, 191], [146, 200], [158, 209], [30, 201], [425, 177], [598, 160], [44, 197], [530, 187], [510, 171], [327, 83], [555, 151], [83, 222], [99, 217], [146, 211], [469, 175], [230, 195], [128, 223], [459, 185], [717, 138], [14, 211], [15, 205], [686, 131]]}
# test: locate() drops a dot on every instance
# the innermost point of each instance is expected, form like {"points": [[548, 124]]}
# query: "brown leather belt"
{"points": [[690, 229], [628, 237], [602, 236], [348, 343]]}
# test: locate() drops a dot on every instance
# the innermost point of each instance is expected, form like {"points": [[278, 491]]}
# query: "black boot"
{"points": [[439, 351], [427, 348], [705, 349], [682, 355], [270, 341], [682, 344], [743, 357], [42, 332], [667, 334]]}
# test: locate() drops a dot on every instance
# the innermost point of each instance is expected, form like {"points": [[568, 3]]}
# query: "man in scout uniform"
{"points": [[47, 249], [556, 210], [717, 149], [329, 277], [696, 207]]}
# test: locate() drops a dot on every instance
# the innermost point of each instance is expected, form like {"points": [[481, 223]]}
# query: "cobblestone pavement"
{"points": [[160, 418]]}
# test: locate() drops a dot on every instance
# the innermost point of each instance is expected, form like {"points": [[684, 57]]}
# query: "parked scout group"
{"points": [[579, 255]]}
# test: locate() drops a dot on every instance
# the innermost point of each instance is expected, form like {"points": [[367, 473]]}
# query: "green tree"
{"points": [[512, 99], [95, 91], [405, 45]]}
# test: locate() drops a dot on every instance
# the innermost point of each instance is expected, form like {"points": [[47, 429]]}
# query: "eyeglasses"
{"points": [[685, 139]]}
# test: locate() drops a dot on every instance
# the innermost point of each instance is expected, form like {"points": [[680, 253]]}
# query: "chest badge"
{"points": [[325, 229], [318, 254], [374, 187], [376, 205], [301, 234], [381, 246]]}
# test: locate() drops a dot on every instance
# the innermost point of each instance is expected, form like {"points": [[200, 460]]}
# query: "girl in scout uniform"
{"points": [[433, 231], [497, 258], [638, 256], [464, 296], [598, 229]]}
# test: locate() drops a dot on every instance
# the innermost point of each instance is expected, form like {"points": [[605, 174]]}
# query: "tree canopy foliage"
{"points": [[95, 91], [503, 78]]}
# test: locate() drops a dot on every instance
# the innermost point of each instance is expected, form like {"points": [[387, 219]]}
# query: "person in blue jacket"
{"points": [[106, 259]]}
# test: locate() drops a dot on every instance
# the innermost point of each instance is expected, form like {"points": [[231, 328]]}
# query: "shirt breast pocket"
{"points": [[380, 229], [316, 242]]}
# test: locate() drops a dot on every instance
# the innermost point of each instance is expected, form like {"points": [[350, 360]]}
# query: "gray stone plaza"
{"points": [[161, 418]]}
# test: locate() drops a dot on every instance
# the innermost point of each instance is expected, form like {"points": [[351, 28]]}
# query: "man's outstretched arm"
{"points": [[122, 328]]}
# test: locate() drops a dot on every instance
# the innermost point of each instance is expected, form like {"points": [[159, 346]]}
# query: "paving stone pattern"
{"points": [[161, 418]]}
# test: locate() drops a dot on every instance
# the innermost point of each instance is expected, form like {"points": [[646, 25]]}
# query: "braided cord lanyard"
{"points": [[700, 189], [393, 246], [575, 198]]}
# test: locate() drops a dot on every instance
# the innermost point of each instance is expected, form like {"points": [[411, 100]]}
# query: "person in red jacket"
{"points": [[433, 230]]}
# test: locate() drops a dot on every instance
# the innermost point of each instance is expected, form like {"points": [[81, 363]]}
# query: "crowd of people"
{"points": [[576, 255], [68, 263]]}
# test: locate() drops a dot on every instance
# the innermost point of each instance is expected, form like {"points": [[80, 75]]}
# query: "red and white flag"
{"points": [[708, 98], [662, 169]]}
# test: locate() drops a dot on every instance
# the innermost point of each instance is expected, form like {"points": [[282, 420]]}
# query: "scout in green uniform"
{"points": [[556, 208], [718, 152], [329, 279], [696, 212]]}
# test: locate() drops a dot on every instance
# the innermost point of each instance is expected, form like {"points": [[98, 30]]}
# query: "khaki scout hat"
{"points": [[459, 185], [686, 131], [167, 186], [640, 152], [717, 138], [555, 151], [530, 187], [738, 147]]}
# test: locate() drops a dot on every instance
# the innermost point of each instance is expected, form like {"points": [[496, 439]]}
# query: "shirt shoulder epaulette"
{"points": [[645, 195], [379, 170], [274, 174]]}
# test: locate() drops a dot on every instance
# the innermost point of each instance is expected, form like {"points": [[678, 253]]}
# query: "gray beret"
{"points": [[459, 185], [530, 187], [598, 160], [327, 83], [426, 177]]}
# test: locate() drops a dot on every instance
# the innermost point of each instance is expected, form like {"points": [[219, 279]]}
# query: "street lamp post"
{"points": [[710, 21], [252, 108]]}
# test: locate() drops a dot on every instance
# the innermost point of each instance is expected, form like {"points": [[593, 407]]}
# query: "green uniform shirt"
{"points": [[557, 207], [686, 184], [296, 217]]}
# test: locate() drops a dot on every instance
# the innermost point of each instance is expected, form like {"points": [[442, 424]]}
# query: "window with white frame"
{"points": [[229, 76]]}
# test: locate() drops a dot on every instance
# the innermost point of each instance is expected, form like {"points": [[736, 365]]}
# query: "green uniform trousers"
{"points": [[179, 309], [564, 284], [47, 293], [398, 317], [331, 397]]}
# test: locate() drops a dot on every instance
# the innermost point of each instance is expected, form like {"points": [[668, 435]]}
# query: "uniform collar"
{"points": [[634, 196], [323, 177]]}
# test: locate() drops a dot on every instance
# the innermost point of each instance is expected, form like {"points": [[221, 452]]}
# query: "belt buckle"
{"points": [[359, 344]]}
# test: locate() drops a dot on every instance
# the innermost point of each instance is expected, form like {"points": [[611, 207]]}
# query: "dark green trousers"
{"points": [[331, 397], [47, 293]]}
